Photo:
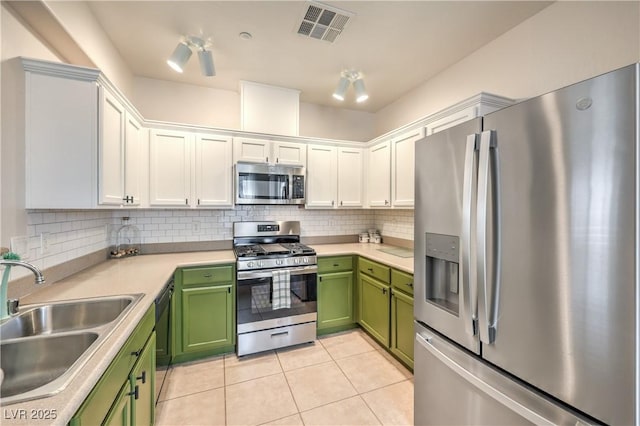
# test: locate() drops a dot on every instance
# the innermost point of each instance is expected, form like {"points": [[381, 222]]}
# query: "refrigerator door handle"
{"points": [[487, 287], [469, 294], [426, 341]]}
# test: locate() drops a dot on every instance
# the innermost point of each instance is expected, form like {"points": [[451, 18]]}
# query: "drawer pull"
{"points": [[335, 265], [142, 377], [370, 270], [410, 284], [207, 275], [135, 393], [384, 291], [282, 333], [136, 353]]}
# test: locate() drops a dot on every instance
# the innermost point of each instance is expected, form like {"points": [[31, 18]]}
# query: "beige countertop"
{"points": [[145, 274]]}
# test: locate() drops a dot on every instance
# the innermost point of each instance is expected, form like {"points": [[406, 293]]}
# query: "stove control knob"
{"points": [[250, 264], [305, 260], [296, 260], [260, 263], [279, 261]]}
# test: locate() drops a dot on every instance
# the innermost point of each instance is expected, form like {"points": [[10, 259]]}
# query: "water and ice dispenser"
{"points": [[442, 271]]}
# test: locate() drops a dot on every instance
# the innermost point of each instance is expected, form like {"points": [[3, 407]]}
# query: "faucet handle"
{"points": [[12, 306]]}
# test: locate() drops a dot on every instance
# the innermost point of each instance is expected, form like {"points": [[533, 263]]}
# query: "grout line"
{"points": [[224, 383], [284, 373], [371, 409]]}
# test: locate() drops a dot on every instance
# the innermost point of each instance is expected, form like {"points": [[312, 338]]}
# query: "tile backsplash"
{"points": [[73, 234]]}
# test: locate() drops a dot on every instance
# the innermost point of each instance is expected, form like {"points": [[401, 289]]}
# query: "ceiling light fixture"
{"points": [[350, 76], [182, 53]]}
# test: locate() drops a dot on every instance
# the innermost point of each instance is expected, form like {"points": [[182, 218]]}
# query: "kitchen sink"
{"points": [[64, 316], [30, 363], [44, 346]]}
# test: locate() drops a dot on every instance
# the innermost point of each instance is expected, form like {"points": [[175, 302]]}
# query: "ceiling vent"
{"points": [[323, 22]]}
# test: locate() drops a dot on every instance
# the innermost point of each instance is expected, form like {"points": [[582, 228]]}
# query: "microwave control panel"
{"points": [[298, 187]]}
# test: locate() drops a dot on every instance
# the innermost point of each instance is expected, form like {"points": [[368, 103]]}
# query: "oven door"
{"points": [[255, 308]]}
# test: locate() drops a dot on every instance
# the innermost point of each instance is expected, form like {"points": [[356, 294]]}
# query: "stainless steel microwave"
{"points": [[269, 184]]}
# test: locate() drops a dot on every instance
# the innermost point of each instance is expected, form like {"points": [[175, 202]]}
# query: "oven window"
{"points": [[259, 186], [255, 298]]}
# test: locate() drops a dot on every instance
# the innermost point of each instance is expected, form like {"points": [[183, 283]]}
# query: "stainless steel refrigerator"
{"points": [[527, 261]]}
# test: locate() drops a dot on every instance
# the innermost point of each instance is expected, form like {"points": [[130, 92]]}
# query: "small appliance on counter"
{"points": [[276, 286]]}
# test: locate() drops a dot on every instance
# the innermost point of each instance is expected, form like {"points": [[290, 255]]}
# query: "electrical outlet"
{"points": [[44, 243], [195, 227]]}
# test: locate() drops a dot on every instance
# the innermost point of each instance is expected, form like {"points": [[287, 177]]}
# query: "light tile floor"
{"points": [[341, 379]]}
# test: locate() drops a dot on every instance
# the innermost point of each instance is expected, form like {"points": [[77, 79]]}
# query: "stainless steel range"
{"points": [[276, 286]]}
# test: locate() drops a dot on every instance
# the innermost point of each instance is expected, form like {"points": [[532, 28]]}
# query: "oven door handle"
{"points": [[267, 273]]}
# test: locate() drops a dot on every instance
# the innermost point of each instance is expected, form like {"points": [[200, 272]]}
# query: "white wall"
{"points": [[81, 24], [186, 103], [326, 122], [565, 43]]}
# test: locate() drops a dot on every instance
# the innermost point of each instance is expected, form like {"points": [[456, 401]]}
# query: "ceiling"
{"points": [[396, 45]]}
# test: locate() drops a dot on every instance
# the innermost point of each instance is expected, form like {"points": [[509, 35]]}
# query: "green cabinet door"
{"points": [[335, 300], [374, 300], [120, 413], [402, 327], [142, 383], [207, 318]]}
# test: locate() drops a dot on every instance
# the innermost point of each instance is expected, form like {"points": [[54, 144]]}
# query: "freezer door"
{"points": [[444, 187], [453, 387], [562, 305]]}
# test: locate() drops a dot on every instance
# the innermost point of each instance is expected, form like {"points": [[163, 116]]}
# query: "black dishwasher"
{"points": [[163, 335]]}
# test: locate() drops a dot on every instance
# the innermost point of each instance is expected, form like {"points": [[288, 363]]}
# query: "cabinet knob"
{"points": [[384, 291], [386, 202], [410, 284], [333, 202], [136, 353], [340, 202]]}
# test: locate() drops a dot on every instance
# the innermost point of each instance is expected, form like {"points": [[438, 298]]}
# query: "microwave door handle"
{"points": [[469, 292]]}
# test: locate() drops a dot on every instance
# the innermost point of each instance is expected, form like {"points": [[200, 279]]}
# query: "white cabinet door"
{"points": [[402, 167], [214, 171], [170, 168], [289, 153], [349, 177], [253, 150], [61, 133], [379, 175], [111, 150], [134, 138], [321, 176]]}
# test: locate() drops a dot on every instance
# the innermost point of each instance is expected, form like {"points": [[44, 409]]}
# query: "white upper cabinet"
{"points": [[334, 177], [289, 153], [379, 175], [350, 177], [267, 151], [214, 171], [322, 176], [119, 153], [170, 168], [253, 150], [402, 167], [60, 121]]}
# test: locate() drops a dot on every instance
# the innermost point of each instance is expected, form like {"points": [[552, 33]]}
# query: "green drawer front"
{"points": [[335, 264], [375, 270], [207, 275], [402, 281]]}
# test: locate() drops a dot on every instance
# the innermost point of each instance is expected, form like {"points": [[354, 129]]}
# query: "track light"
{"points": [[182, 53], [350, 76], [343, 85], [361, 92], [179, 57]]}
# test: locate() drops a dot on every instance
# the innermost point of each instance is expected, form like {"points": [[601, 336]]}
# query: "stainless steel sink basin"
{"points": [[64, 316], [31, 363], [45, 345]]}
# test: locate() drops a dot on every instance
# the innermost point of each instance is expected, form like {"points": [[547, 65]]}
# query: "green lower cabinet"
{"points": [[374, 302], [402, 326], [120, 413], [142, 385], [203, 315], [112, 400], [335, 300], [205, 318]]}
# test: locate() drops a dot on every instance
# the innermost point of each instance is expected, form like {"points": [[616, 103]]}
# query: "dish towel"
{"points": [[281, 293]]}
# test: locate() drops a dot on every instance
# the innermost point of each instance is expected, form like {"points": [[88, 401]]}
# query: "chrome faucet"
{"points": [[11, 306]]}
